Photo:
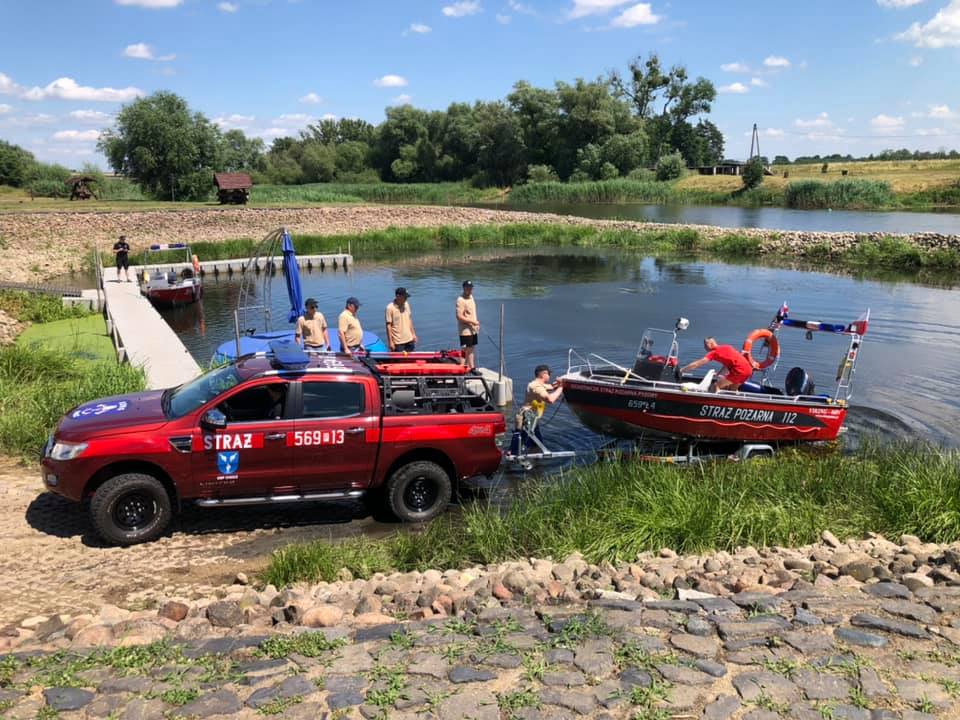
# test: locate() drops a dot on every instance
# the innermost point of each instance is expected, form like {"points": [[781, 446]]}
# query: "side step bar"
{"points": [[267, 500]]}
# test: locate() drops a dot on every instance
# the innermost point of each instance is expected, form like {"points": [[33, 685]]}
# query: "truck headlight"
{"points": [[66, 450]]}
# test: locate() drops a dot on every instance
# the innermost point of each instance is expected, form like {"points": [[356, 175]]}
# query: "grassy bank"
{"points": [[418, 193], [613, 511], [64, 358]]}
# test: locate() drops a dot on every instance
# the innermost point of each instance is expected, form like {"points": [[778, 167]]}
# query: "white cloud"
{"points": [[90, 116], [328, 116], [639, 14], [68, 89], [886, 123], [76, 135], [772, 132], [234, 121], [776, 62], [931, 131], [916, 61], [942, 30], [734, 89], [390, 81], [292, 119], [522, 8], [273, 132], [941, 112], [402, 99], [311, 98], [584, 8], [462, 8], [419, 28], [152, 4], [899, 4], [142, 51], [8, 86], [31, 120], [227, 7], [758, 82], [503, 19], [821, 121], [4, 108], [736, 67]]}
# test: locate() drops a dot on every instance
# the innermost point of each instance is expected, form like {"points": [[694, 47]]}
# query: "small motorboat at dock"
{"points": [[652, 399], [180, 284]]}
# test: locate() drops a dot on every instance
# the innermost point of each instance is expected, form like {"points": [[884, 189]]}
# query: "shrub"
{"points": [[752, 174], [642, 175], [670, 167], [608, 171], [48, 188], [541, 174], [824, 168], [854, 194]]}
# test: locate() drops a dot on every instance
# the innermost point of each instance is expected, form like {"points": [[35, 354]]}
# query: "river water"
{"points": [[600, 301], [861, 221]]}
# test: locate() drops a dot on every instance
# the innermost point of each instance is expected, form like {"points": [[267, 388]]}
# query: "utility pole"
{"points": [[754, 141]]}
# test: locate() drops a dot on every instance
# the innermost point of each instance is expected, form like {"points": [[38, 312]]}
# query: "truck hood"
{"points": [[107, 416]]}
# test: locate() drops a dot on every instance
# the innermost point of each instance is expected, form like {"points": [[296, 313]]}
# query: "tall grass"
{"points": [[38, 386], [613, 191], [428, 193], [842, 194], [32, 307], [614, 511]]}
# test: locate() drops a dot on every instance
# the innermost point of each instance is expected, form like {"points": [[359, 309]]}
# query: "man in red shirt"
{"points": [[737, 368]]}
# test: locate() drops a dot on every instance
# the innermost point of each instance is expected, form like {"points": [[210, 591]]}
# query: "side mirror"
{"points": [[214, 420]]}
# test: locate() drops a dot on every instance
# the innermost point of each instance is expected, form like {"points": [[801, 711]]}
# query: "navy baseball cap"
{"points": [[311, 303], [353, 301], [468, 283], [401, 291]]}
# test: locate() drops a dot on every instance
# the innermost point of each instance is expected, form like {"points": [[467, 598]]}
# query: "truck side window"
{"points": [[332, 399], [261, 402]]}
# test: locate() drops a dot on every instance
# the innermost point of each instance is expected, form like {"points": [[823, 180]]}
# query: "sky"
{"points": [[817, 76]]}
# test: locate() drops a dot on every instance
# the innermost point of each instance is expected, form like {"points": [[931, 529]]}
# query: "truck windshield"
{"points": [[188, 397]]}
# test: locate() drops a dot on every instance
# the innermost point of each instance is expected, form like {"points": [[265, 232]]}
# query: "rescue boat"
{"points": [[179, 285], [651, 399]]}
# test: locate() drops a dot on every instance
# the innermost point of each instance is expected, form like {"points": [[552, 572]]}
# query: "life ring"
{"points": [[196, 264], [770, 340]]}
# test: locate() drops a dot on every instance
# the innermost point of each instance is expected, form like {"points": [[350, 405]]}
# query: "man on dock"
{"points": [[467, 324], [311, 329], [737, 369], [349, 328], [121, 249], [401, 337]]}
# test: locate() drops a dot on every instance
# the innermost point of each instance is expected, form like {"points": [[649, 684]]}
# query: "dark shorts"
{"points": [[468, 340], [122, 262], [405, 347]]}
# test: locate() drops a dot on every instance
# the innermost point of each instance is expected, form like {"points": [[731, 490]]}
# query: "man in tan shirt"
{"points": [[401, 337], [311, 329], [540, 393], [468, 325], [349, 328]]}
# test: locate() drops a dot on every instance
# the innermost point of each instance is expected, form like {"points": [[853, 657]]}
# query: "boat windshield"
{"points": [[186, 398]]}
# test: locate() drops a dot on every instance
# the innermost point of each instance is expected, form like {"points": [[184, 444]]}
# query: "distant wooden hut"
{"points": [[81, 187], [233, 187]]}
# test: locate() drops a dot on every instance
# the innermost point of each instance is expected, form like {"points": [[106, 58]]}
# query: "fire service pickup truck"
{"points": [[278, 427]]}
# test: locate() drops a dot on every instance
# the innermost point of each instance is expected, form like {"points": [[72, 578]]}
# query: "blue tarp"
{"points": [[291, 272]]}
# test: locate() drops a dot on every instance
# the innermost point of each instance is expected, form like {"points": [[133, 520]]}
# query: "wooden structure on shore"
{"points": [[233, 188], [81, 187]]}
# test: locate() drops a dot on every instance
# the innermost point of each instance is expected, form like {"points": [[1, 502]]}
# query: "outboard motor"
{"points": [[798, 382]]}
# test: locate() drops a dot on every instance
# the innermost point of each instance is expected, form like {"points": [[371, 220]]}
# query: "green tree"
{"points": [[319, 162], [538, 112], [625, 152], [501, 154], [541, 174], [351, 157], [752, 174], [670, 167], [15, 164], [403, 126], [159, 143], [238, 152], [781, 160]]}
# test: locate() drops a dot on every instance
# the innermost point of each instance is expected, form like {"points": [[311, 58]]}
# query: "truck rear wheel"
{"points": [[131, 508], [418, 492]]}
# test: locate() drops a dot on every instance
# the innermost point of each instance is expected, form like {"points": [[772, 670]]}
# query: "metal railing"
{"points": [[108, 316]]}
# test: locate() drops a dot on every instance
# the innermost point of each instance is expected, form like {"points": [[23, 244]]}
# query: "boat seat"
{"points": [[703, 385]]}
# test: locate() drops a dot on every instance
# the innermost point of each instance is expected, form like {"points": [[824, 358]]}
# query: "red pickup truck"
{"points": [[278, 427]]}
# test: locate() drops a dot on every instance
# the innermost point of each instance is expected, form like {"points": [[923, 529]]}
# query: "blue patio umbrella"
{"points": [[292, 274]]}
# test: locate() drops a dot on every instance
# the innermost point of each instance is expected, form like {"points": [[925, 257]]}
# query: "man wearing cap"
{"points": [[467, 324], [311, 329], [121, 249], [349, 328], [401, 337], [540, 393]]}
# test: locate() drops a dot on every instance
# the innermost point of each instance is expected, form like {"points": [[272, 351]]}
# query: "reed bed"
{"points": [[854, 194], [417, 193], [614, 510]]}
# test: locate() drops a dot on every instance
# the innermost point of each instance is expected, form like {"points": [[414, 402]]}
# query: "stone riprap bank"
{"points": [[41, 245], [867, 630]]}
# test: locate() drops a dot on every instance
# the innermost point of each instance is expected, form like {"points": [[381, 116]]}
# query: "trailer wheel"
{"points": [[131, 508], [418, 492]]}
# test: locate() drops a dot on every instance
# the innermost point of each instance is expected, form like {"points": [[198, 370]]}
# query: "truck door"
{"points": [[249, 457], [335, 437]]}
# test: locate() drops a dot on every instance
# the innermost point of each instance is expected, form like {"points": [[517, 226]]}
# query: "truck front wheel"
{"points": [[131, 508], [418, 492]]}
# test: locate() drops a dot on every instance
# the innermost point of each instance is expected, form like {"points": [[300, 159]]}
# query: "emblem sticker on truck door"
{"points": [[228, 462]]}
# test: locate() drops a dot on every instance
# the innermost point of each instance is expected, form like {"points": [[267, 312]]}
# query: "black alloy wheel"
{"points": [[134, 511]]}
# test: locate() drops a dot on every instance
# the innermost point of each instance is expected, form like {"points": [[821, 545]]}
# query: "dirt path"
{"points": [[52, 561]]}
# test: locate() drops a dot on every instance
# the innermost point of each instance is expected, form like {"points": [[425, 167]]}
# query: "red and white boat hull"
{"points": [[174, 295], [635, 409]]}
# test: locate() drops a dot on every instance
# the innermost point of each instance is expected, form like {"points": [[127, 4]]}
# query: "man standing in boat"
{"points": [[468, 325], [737, 369], [349, 328], [311, 329], [121, 249], [401, 337]]}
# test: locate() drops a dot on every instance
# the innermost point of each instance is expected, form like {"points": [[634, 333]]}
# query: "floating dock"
{"points": [[337, 261], [142, 337]]}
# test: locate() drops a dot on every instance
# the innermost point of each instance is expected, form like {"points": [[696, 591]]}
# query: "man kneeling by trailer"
{"points": [[737, 369], [540, 393]]}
